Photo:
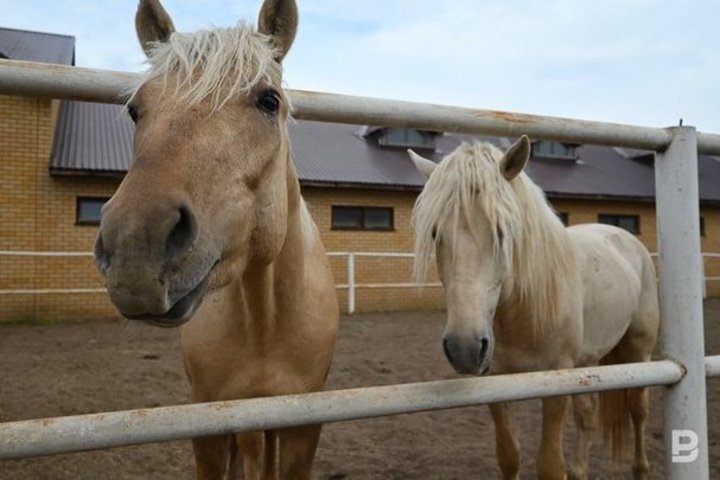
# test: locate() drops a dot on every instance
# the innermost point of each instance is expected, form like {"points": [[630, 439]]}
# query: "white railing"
{"points": [[351, 285], [676, 179]]}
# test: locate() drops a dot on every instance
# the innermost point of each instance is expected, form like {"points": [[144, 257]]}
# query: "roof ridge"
{"points": [[23, 30]]}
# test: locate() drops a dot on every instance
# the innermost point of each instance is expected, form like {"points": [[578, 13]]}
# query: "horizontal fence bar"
{"points": [[372, 254], [343, 286], [16, 253], [50, 291], [76, 83], [31, 438], [339, 286], [12, 253]]}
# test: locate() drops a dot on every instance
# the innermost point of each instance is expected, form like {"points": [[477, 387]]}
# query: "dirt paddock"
{"points": [[102, 366]]}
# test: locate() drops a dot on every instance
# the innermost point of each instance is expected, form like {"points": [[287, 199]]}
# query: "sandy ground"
{"points": [[102, 366]]}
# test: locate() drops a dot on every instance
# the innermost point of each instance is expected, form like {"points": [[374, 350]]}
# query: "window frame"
{"points": [[619, 216], [569, 150], [363, 218], [84, 198], [388, 138]]}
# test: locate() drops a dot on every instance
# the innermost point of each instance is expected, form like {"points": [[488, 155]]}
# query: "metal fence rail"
{"points": [[76, 83], [351, 285], [679, 255], [104, 430]]}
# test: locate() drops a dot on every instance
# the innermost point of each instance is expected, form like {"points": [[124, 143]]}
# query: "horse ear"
{"points": [[424, 166], [153, 24], [516, 158], [279, 20]]}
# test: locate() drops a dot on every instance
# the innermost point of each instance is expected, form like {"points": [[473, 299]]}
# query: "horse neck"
{"points": [[542, 270], [271, 290]]}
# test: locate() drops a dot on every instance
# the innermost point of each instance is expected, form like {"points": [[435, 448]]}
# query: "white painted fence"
{"points": [[681, 340], [351, 284]]}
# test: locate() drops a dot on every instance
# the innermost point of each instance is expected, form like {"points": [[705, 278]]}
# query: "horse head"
{"points": [[458, 219], [207, 191]]}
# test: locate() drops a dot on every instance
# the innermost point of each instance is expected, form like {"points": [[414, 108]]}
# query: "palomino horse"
{"points": [[524, 293], [208, 230]]}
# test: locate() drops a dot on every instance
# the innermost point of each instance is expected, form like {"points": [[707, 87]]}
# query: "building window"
{"points": [[631, 223], [362, 218], [406, 137], [563, 216], [88, 210], [548, 149]]}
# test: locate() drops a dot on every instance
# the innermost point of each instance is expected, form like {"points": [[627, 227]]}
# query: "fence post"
{"points": [[681, 337], [351, 283]]}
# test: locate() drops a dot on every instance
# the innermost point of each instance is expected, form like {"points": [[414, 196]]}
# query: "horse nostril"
{"points": [[484, 344], [182, 235], [102, 259], [446, 349]]}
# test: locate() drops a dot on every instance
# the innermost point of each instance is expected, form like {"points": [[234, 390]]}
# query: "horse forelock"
{"points": [[217, 64], [460, 183], [529, 240]]}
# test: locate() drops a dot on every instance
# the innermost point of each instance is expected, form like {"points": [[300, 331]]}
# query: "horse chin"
{"points": [[181, 312], [474, 371]]}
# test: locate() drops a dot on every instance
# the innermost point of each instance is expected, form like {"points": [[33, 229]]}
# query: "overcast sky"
{"points": [[646, 62]]}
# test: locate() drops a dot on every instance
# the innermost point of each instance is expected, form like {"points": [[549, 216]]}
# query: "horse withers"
{"points": [[524, 293], [208, 230]]}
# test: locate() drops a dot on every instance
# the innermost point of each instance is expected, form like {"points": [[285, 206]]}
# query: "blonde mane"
{"points": [[220, 64], [529, 240]]}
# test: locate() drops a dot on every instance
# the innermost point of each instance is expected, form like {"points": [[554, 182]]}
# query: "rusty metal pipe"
{"points": [[104, 430], [76, 83]]}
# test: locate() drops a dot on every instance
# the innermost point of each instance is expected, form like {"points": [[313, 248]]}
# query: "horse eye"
{"points": [[133, 113], [269, 101]]}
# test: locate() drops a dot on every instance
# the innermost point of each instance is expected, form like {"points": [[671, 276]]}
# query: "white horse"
{"points": [[524, 293]]}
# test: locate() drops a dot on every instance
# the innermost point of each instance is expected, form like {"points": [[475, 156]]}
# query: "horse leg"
{"points": [[251, 448], [297, 450], [550, 462], [584, 410], [270, 465], [638, 398], [211, 457], [634, 348], [506, 445]]}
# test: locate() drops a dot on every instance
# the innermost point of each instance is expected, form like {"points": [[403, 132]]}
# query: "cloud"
{"points": [[631, 61], [623, 61]]}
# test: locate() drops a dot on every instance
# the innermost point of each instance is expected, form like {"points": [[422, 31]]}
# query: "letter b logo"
{"points": [[684, 446]]}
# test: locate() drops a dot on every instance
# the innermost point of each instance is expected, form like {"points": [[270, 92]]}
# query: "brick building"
{"points": [[60, 160]]}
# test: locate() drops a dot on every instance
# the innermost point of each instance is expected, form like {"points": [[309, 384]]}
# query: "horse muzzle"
{"points": [[156, 266], [179, 313], [471, 356]]}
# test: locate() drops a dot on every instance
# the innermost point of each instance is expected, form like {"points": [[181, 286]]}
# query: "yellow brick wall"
{"points": [[383, 270], [37, 213], [373, 270], [586, 211]]}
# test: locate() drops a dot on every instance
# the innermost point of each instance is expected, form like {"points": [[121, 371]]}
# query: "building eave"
{"points": [[68, 172]]}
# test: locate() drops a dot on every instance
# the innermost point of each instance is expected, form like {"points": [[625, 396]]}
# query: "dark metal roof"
{"points": [[327, 153], [37, 46], [97, 139], [92, 138]]}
